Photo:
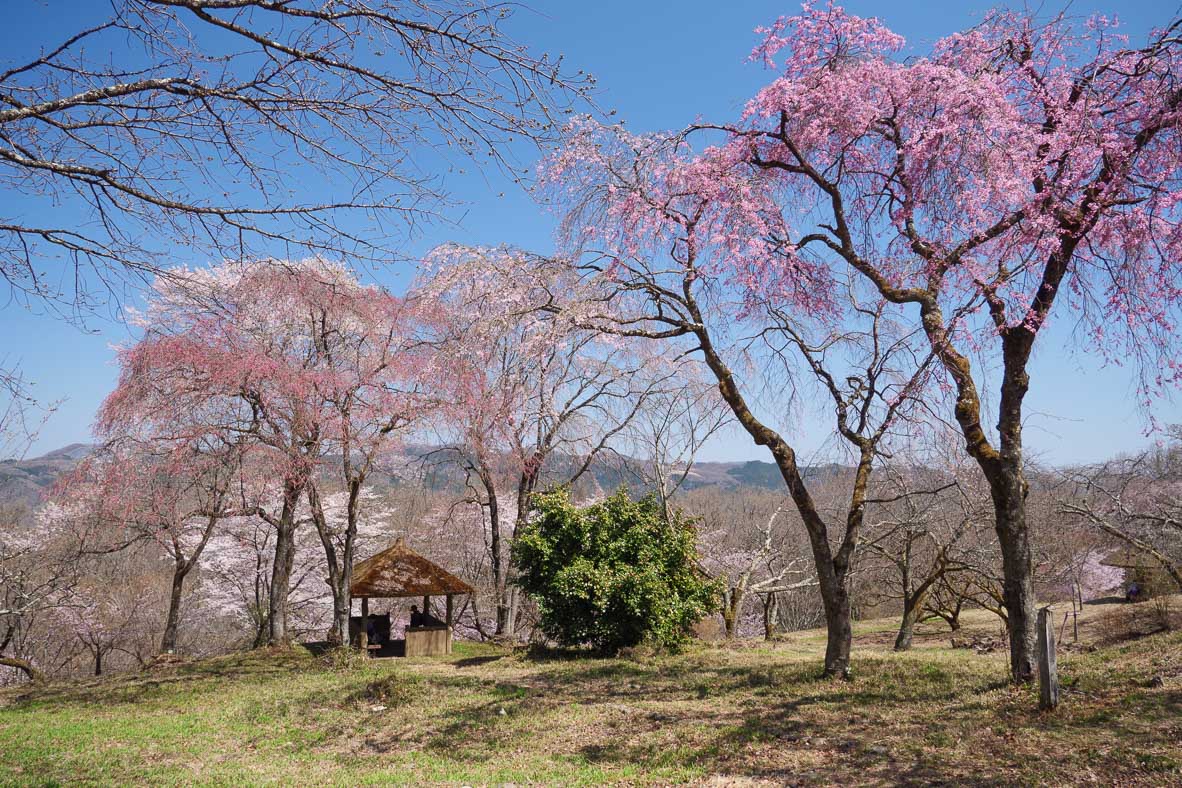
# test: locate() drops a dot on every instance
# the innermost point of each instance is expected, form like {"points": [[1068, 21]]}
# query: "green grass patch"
{"points": [[759, 712]]}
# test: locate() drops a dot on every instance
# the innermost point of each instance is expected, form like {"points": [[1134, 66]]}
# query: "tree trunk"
{"points": [[341, 605], [181, 568], [25, 667], [513, 602], [839, 630], [339, 562], [172, 623], [98, 663], [285, 550], [496, 550], [1002, 466], [831, 569], [912, 607], [771, 611], [262, 630], [915, 600], [280, 586], [731, 610], [1018, 572]]}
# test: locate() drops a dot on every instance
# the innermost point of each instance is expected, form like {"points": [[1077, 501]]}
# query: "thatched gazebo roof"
{"points": [[399, 571]]}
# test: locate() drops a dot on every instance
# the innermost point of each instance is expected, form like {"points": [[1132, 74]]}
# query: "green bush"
{"points": [[613, 574]]}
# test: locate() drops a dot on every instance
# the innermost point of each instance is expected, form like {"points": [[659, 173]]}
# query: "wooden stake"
{"points": [[1048, 671]]}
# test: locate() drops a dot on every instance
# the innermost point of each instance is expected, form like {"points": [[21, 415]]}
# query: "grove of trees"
{"points": [[875, 244]]}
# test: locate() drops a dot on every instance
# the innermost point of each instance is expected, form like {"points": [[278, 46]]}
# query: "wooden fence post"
{"points": [[1048, 672]]}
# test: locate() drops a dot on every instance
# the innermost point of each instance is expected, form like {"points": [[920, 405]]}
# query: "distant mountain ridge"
{"points": [[26, 481]]}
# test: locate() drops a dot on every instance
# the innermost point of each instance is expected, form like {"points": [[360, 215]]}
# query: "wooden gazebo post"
{"points": [[448, 608], [363, 635]]}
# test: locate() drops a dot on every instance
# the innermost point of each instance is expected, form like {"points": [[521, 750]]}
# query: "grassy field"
{"points": [[753, 713]]}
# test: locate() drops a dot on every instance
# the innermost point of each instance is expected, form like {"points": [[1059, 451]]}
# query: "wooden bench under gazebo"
{"points": [[397, 573]]}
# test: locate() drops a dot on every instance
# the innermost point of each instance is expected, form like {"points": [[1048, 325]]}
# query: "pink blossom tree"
{"points": [[298, 362], [166, 493], [530, 396], [237, 344], [675, 249], [1016, 166], [368, 393]]}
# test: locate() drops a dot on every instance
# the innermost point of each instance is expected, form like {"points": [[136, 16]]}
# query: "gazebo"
{"points": [[399, 572]]}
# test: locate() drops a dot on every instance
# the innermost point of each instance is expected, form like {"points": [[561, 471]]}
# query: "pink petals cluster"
{"points": [[293, 355], [824, 38], [714, 218], [967, 172]]}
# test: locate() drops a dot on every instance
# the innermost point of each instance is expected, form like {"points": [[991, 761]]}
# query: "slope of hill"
{"points": [[26, 481]]}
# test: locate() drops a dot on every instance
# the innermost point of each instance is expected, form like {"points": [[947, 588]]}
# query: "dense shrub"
{"points": [[612, 574]]}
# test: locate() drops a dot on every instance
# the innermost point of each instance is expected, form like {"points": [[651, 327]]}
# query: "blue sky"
{"points": [[660, 65]]}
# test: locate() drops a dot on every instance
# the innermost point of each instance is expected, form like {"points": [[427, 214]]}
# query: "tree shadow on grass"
{"points": [[790, 747], [473, 662], [154, 683], [688, 717]]}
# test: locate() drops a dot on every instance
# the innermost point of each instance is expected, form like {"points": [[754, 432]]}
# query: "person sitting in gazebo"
{"points": [[418, 619], [372, 632], [397, 573]]}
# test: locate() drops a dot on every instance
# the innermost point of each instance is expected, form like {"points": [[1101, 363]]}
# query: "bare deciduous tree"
{"points": [[1137, 502], [750, 542], [249, 128]]}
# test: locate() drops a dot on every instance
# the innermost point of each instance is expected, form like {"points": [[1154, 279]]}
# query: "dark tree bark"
{"points": [[172, 623], [181, 567], [285, 549], [913, 605], [832, 569], [339, 562], [496, 547]]}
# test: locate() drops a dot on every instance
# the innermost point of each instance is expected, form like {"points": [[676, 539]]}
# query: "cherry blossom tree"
{"points": [[675, 250], [366, 395], [171, 495], [1017, 166], [530, 397], [234, 347], [295, 361]]}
